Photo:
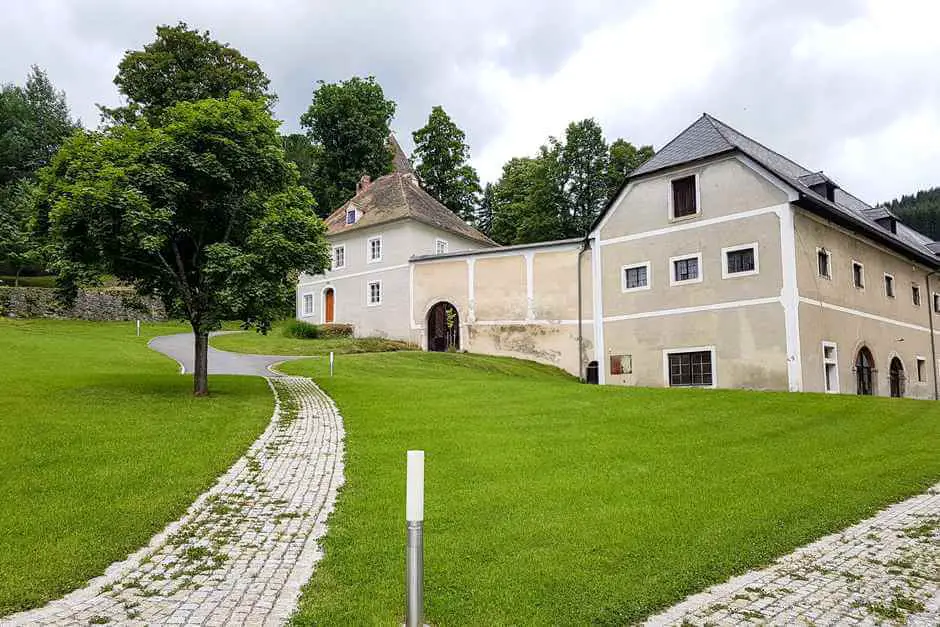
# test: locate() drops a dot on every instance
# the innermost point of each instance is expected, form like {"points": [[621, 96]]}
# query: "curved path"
{"points": [[244, 549], [180, 348]]}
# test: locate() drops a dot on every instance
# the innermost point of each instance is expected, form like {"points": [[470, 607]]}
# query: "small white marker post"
{"points": [[414, 562], [138, 328], [331, 363]]}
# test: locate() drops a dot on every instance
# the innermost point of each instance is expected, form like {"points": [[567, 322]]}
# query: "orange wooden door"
{"points": [[328, 309]]}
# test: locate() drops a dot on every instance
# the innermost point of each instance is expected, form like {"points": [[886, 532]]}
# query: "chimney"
{"points": [[363, 184]]}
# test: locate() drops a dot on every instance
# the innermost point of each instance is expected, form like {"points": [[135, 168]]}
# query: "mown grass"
{"points": [[276, 342], [101, 445], [550, 502], [9, 280]]}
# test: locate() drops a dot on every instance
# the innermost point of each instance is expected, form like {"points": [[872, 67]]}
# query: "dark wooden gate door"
{"points": [[328, 306], [443, 328], [896, 376], [864, 366]]}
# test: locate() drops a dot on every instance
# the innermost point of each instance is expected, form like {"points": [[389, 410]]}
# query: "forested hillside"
{"points": [[921, 211]]}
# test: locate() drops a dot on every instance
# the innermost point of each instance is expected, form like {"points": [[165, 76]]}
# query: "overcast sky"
{"points": [[851, 87]]}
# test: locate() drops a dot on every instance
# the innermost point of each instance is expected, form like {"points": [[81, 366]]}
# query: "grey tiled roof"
{"points": [[710, 137]]}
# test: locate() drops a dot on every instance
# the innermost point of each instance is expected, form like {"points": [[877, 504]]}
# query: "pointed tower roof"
{"points": [[400, 161]]}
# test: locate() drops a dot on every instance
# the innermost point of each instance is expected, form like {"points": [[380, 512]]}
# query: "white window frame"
{"points": [[672, 269], [828, 254], [831, 362], [333, 262], [437, 246], [355, 214], [920, 362], [632, 266], [369, 293], [731, 249], [304, 311], [864, 281], [920, 298], [369, 258], [671, 201], [691, 349], [894, 286]]}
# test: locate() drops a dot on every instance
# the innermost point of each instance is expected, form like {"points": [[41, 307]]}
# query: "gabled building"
{"points": [[720, 263], [372, 237]]}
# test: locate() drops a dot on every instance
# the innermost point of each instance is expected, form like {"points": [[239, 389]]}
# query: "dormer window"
{"points": [[351, 215]]}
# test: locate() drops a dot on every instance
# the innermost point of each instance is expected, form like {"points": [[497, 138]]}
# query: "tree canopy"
{"points": [[348, 123], [183, 65], [560, 192], [442, 156]]}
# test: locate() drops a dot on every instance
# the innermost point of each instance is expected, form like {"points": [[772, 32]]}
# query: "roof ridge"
{"points": [[722, 125]]}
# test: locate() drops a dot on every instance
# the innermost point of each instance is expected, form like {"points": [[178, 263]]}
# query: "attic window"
{"points": [[351, 216], [684, 197]]}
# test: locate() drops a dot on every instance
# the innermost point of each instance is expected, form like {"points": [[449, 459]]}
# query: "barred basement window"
{"points": [[693, 369], [684, 201]]}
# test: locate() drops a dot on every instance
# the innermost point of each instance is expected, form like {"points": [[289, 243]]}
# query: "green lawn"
{"points": [[550, 502], [276, 343], [101, 445], [8, 280]]}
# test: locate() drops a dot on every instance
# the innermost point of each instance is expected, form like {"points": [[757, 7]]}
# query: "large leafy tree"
{"points": [[203, 211], [442, 156], [306, 156], [34, 121], [348, 122], [624, 159], [584, 162], [183, 65], [483, 221]]}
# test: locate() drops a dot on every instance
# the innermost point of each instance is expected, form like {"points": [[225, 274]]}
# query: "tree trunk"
{"points": [[201, 364], [16, 280]]}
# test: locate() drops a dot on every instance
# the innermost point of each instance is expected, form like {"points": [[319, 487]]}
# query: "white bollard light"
{"points": [[138, 328], [414, 518], [331, 363]]}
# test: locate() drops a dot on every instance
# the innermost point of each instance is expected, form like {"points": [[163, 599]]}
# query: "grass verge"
{"points": [[277, 343], [550, 502], [101, 445]]}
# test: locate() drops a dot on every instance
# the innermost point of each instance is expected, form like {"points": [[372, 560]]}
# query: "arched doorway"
{"points": [[896, 377], [443, 328], [329, 305], [864, 371]]}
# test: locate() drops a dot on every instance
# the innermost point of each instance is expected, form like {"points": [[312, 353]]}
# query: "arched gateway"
{"points": [[864, 371], [896, 377], [443, 328]]}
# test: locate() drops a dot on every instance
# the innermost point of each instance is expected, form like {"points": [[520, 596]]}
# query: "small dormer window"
{"points": [[351, 216]]}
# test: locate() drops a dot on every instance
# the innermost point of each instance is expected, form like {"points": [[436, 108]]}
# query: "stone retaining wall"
{"points": [[100, 304]]}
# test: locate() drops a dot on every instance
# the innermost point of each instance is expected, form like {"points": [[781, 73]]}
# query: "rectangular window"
{"points": [[936, 302], [351, 216], [823, 258], [636, 277], [339, 257], [858, 275], [686, 269], [308, 304], [921, 369], [830, 367], [375, 249], [915, 295], [889, 286], [684, 197], [690, 369], [375, 293], [440, 246], [740, 261]]}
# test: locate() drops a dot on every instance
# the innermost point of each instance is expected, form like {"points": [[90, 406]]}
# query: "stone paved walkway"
{"points": [[243, 550], [885, 570]]}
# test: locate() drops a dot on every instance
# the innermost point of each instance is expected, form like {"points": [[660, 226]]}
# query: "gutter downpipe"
{"points": [[581, 377], [933, 346]]}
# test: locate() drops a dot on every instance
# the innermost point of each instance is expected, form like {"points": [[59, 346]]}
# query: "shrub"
{"points": [[336, 330], [301, 330]]}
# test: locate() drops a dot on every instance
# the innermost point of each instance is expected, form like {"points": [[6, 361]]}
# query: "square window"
{"points": [[308, 304], [740, 261], [375, 293], [686, 269], [684, 201], [636, 277], [339, 257], [440, 246], [921, 369], [915, 295], [889, 286], [858, 275], [692, 369], [822, 263], [375, 249]]}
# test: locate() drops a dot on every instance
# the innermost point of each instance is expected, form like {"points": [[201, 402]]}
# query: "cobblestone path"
{"points": [[885, 570], [243, 550]]}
